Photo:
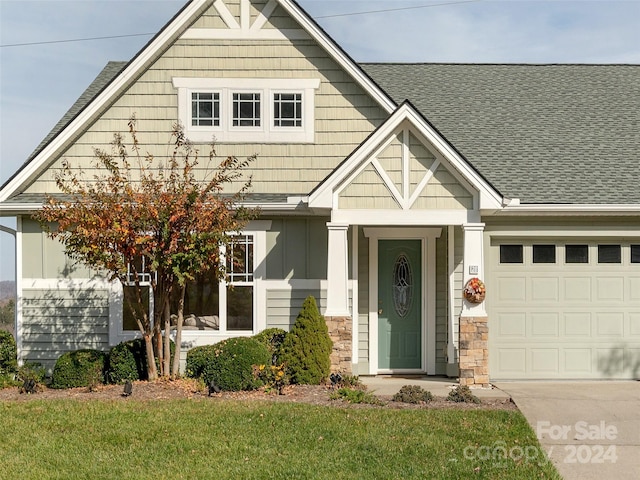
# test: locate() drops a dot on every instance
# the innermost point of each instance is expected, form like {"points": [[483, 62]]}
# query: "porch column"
{"points": [[337, 315], [337, 271], [474, 333]]}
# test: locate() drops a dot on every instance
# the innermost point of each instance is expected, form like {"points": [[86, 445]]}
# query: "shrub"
{"points": [[229, 364], [273, 377], [462, 393], [272, 338], [413, 394], [8, 354], [351, 395], [307, 347], [82, 368], [32, 371], [128, 361]]}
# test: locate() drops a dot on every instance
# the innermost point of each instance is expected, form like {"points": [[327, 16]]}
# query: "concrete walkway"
{"points": [[590, 430], [439, 386]]}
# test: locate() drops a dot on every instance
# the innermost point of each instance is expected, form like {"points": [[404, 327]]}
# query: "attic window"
{"points": [[247, 110]]}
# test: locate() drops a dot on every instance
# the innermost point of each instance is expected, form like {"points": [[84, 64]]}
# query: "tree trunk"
{"points": [[166, 361], [152, 371], [180, 320]]}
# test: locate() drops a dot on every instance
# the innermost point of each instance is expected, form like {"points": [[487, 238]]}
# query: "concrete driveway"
{"points": [[590, 430]]}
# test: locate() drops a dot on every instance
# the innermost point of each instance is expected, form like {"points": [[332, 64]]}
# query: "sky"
{"points": [[42, 73]]}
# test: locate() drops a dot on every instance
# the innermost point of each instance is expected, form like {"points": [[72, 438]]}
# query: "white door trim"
{"points": [[428, 237]]}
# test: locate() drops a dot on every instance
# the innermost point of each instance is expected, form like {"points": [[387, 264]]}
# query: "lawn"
{"points": [[204, 438]]}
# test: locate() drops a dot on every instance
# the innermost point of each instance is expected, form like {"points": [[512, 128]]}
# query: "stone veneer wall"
{"points": [[340, 331], [474, 351]]}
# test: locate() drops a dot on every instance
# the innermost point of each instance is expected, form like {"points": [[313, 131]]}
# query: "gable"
{"points": [[258, 42], [405, 167], [405, 174]]}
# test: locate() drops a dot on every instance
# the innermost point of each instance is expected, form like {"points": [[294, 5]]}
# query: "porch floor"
{"points": [[439, 386]]}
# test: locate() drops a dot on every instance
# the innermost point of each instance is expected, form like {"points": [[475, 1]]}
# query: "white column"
{"points": [[337, 271], [473, 265]]}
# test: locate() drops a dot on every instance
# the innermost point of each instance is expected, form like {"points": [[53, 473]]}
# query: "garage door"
{"points": [[563, 310]]}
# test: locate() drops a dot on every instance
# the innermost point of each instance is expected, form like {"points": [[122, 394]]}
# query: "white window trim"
{"points": [[257, 229], [266, 87]]}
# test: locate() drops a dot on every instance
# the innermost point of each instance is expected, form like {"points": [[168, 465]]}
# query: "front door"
{"points": [[399, 305]]}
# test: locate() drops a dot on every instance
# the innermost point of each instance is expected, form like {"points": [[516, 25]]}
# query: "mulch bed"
{"points": [[189, 389]]}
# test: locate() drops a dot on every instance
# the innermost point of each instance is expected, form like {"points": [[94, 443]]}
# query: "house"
{"points": [[384, 189]]}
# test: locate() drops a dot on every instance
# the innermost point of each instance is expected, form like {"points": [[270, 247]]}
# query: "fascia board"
{"points": [[489, 198], [571, 209], [137, 64], [338, 54], [323, 197]]}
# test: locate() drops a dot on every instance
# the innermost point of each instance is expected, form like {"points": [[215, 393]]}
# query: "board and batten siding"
{"points": [[344, 113], [56, 321], [297, 248], [45, 258]]}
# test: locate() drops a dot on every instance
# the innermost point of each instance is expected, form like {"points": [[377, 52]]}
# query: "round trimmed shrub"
{"points": [[8, 354], [82, 368], [128, 361], [306, 349], [229, 364], [273, 339]]}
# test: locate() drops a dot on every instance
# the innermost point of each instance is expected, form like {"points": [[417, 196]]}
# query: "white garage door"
{"points": [[563, 310]]}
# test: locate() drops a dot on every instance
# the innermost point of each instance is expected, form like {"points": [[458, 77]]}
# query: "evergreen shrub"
{"points": [[82, 368], [306, 349], [229, 363], [8, 354], [272, 338], [128, 361]]}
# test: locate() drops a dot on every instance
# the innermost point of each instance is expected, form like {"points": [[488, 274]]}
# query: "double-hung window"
{"points": [[227, 304], [263, 110]]}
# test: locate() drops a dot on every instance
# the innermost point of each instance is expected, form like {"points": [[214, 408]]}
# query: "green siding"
{"points": [[442, 302], [44, 257], [344, 113], [283, 306], [297, 249], [56, 321]]}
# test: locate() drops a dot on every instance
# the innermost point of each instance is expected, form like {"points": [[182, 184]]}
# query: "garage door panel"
{"points": [[563, 321], [577, 289], [577, 324], [512, 361], [577, 361], [545, 361], [545, 325], [610, 324], [512, 324], [634, 289], [544, 289], [609, 288], [634, 324], [512, 289]]}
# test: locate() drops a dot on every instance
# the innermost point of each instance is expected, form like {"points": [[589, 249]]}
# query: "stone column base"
{"points": [[340, 331], [474, 351]]}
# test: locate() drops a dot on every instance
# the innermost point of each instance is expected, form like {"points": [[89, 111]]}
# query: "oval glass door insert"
{"points": [[402, 285]]}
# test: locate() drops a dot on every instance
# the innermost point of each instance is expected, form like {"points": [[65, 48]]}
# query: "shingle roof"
{"points": [[541, 133]]}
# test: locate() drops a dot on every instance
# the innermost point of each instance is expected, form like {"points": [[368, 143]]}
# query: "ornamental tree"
{"points": [[139, 207]]}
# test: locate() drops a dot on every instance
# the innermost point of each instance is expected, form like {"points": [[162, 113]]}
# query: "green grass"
{"points": [[205, 438]]}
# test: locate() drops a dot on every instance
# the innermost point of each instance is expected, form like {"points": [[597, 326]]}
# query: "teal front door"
{"points": [[399, 305]]}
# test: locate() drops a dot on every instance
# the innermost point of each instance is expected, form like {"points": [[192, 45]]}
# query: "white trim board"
{"points": [[428, 238]]}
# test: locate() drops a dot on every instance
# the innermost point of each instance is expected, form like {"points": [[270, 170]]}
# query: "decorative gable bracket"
{"points": [[405, 173]]}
